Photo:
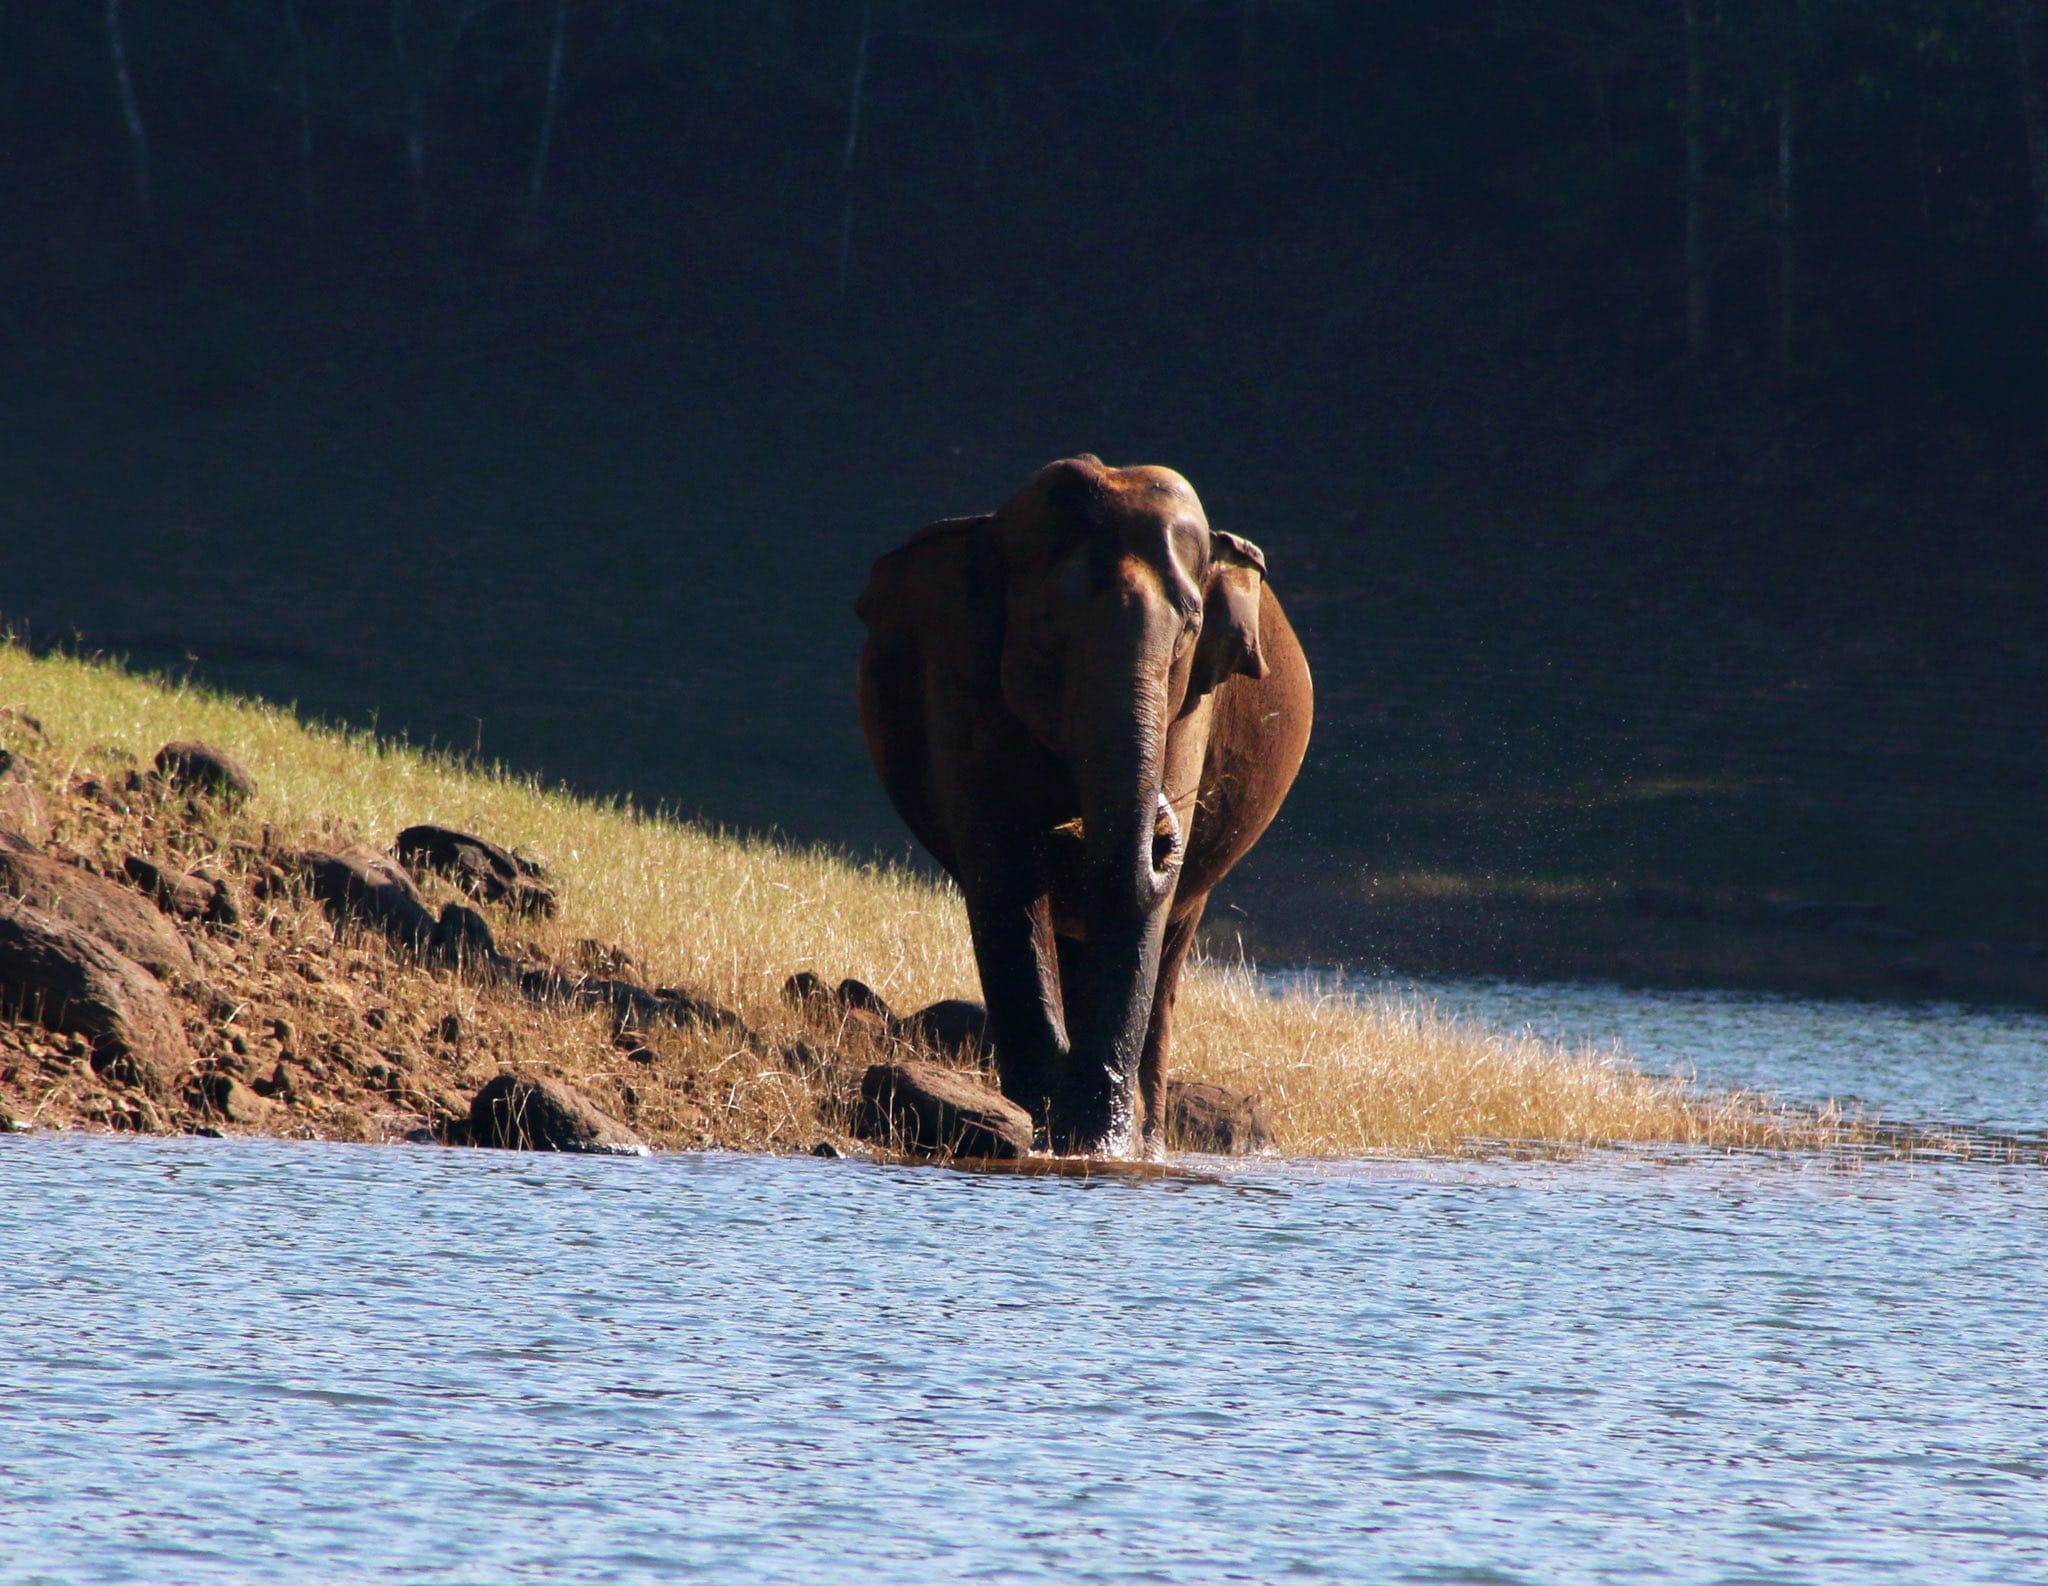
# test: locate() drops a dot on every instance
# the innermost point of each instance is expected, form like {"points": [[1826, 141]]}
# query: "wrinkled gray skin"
{"points": [[1087, 705]]}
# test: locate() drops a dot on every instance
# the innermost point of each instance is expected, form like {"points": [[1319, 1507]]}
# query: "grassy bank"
{"points": [[332, 1033]]}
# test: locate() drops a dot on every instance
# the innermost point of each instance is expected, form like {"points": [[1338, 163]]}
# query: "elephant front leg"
{"points": [[1013, 949], [1173, 956]]}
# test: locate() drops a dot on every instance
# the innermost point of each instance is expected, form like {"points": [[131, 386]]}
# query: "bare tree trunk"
{"points": [[131, 114], [853, 109], [550, 108], [1788, 242], [1695, 188], [302, 101], [2033, 114]]}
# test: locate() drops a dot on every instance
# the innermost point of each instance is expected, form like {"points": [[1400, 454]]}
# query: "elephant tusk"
{"points": [[1165, 837]]}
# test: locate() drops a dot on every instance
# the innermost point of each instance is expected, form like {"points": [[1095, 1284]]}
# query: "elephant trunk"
{"points": [[1132, 846]]}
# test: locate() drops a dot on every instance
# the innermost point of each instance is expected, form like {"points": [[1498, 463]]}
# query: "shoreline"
{"points": [[294, 968]]}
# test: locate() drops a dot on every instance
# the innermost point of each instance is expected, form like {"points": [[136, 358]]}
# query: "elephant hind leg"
{"points": [[1173, 956]]}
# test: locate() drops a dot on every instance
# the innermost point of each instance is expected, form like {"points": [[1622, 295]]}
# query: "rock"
{"points": [[482, 869], [462, 938], [924, 1108], [1201, 1117], [952, 1026], [635, 1007], [865, 1021], [517, 1112], [100, 908], [804, 988], [225, 1097], [853, 1003], [800, 1057], [201, 768], [858, 994], [363, 884], [190, 897], [60, 976]]}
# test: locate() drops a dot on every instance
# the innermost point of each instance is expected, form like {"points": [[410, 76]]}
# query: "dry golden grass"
{"points": [[733, 918]]}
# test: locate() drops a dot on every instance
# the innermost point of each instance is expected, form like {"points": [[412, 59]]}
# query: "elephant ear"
{"points": [[940, 595], [1229, 645]]}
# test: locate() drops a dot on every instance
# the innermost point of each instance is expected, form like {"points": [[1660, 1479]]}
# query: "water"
{"points": [[252, 1361]]}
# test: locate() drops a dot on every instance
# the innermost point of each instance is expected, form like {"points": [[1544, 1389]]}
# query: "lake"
{"points": [[250, 1361]]}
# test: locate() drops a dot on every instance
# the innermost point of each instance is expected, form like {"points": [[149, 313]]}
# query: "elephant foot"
{"points": [[1092, 1131]]}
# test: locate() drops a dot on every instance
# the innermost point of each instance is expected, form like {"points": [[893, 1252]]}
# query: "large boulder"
{"points": [[923, 1108], [99, 908], [201, 768], [68, 980], [1202, 1117], [952, 1026], [482, 869], [518, 1112], [362, 884]]}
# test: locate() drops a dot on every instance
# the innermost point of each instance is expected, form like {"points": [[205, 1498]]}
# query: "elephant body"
{"points": [[1087, 706]]}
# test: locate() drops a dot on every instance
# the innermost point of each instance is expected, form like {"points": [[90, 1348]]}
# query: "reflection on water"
{"points": [[252, 1361]]}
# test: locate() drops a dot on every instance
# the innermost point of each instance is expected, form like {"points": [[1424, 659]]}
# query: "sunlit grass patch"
{"points": [[731, 918], [1343, 1074]]}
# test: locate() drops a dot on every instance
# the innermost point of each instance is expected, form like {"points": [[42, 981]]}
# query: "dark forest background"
{"points": [[1642, 403]]}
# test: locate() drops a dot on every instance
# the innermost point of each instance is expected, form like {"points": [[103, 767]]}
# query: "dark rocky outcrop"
{"points": [[859, 995], [188, 896], [462, 939], [812, 992], [936, 1111], [224, 1097], [805, 988], [635, 1007], [99, 908], [482, 869], [363, 884], [1202, 1117], [201, 768], [63, 977], [519, 1112], [955, 1025]]}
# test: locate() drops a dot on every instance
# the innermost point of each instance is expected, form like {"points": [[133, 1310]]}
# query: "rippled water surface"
{"points": [[248, 1361]]}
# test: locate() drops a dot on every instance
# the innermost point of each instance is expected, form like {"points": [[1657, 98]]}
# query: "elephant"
{"points": [[1087, 705]]}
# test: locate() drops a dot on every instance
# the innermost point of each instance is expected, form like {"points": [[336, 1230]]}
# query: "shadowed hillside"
{"points": [[1714, 663]]}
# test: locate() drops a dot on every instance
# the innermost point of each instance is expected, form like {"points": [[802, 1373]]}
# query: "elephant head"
{"points": [[1121, 611]]}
